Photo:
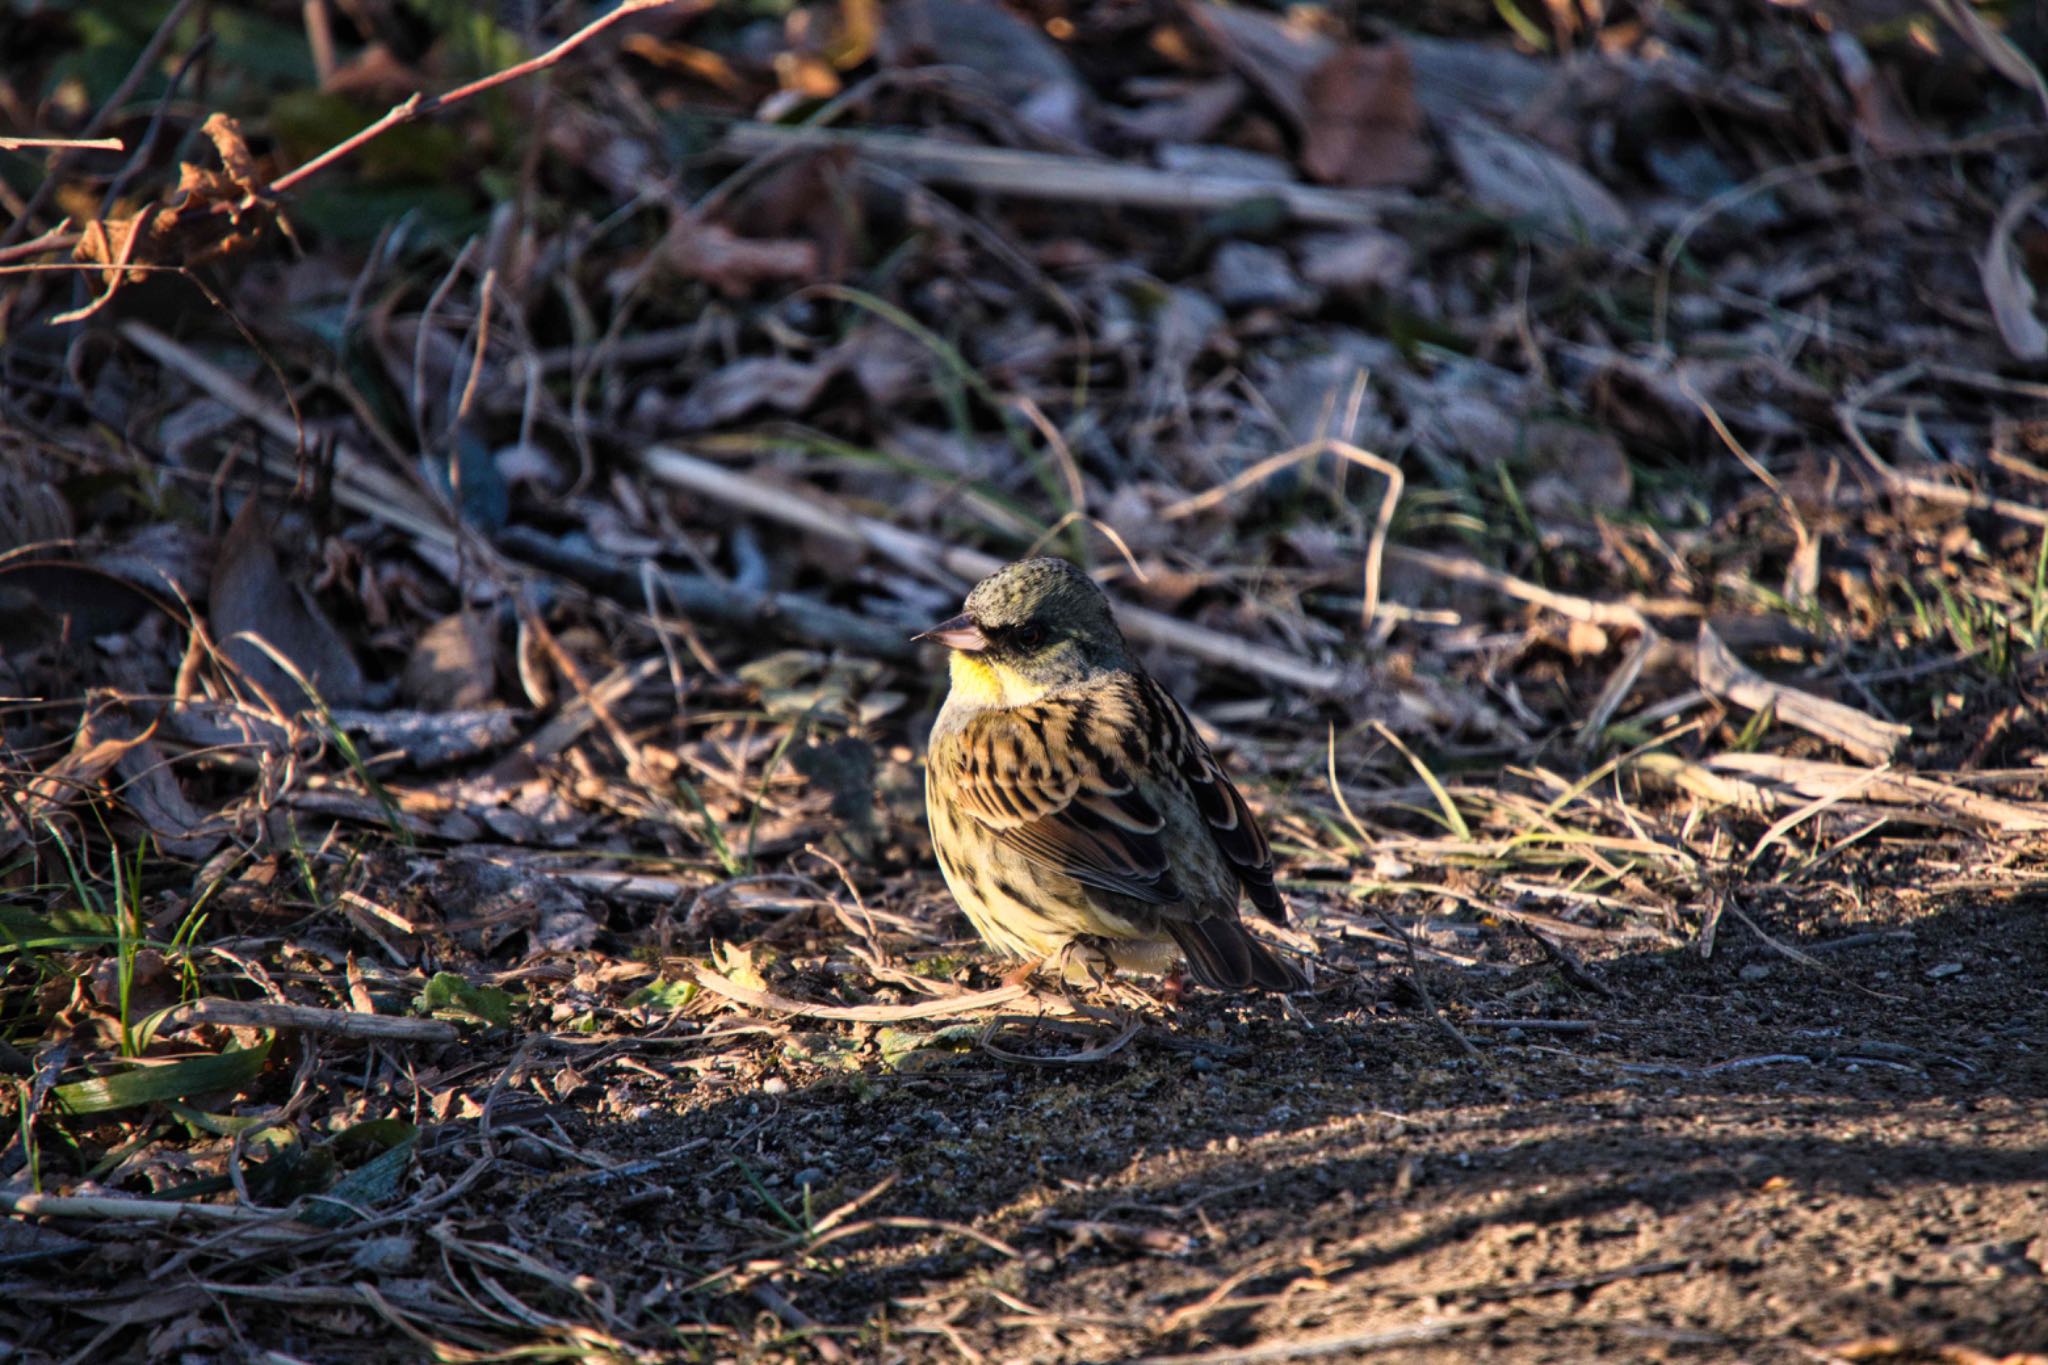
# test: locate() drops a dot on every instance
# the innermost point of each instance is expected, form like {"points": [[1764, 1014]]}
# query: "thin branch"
{"points": [[418, 106]]}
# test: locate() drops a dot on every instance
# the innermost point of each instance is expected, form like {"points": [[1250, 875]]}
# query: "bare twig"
{"points": [[418, 106], [1931, 490], [76, 144], [1467, 570], [1376, 546], [145, 62], [1340, 1345], [939, 563], [1536, 1025], [1422, 988], [344, 1023], [1067, 179], [106, 1209]]}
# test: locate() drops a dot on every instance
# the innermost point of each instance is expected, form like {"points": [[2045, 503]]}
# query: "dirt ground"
{"points": [[463, 894], [1742, 1158]]}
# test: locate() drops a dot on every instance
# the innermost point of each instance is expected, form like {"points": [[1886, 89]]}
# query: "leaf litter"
{"points": [[465, 883]]}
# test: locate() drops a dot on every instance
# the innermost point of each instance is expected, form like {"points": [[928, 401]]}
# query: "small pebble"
{"points": [[774, 1085], [1936, 973]]}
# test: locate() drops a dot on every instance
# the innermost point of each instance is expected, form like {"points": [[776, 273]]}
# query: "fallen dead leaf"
{"points": [[733, 264], [251, 597], [1024, 68], [1364, 126], [1521, 179], [1879, 118], [773, 383], [1366, 259], [211, 214], [453, 666]]}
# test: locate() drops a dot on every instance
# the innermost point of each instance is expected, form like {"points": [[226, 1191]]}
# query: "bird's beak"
{"points": [[959, 633]]}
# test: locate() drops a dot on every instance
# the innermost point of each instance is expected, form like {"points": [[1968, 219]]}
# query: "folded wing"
{"points": [[1054, 782]]}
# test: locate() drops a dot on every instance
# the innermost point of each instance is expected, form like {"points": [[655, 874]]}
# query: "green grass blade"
{"points": [[230, 1070]]}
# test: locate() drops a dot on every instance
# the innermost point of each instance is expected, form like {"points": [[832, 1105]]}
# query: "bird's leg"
{"points": [[1085, 961]]}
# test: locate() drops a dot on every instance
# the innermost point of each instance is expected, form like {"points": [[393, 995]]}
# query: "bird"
{"points": [[1075, 813]]}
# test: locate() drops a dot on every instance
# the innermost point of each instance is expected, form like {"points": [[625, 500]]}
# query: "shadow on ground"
{"points": [[1750, 1156]]}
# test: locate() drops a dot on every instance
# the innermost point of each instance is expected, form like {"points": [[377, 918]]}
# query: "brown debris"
{"points": [[1580, 467]]}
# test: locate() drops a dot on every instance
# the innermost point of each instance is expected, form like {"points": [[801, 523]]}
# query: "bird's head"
{"points": [[1028, 629]]}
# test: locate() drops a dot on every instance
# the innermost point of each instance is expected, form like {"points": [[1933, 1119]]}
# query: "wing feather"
{"points": [[1053, 781], [1231, 822]]}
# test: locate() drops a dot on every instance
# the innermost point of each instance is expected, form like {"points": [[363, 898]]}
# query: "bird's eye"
{"points": [[1030, 637]]}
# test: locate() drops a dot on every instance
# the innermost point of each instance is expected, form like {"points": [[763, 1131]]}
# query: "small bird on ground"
{"points": [[1075, 812]]}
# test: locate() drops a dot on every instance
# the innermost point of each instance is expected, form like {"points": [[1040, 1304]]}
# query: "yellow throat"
{"points": [[977, 683]]}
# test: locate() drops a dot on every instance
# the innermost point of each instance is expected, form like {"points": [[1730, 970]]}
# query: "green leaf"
{"points": [[450, 995], [373, 1136], [666, 995], [72, 922], [230, 1070], [374, 1182], [901, 1046]]}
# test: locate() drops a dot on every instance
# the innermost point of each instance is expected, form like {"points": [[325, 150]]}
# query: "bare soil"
{"points": [[1746, 1157]]}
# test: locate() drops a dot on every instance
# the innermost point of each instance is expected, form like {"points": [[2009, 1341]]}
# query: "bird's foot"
{"points": [[1084, 960]]}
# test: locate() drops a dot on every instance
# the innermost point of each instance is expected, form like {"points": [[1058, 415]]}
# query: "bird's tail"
{"points": [[1224, 957]]}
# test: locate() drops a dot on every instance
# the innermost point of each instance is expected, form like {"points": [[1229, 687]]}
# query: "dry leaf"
{"points": [[1999, 52], [1246, 275], [1364, 126], [1370, 258], [1579, 469], [1184, 111], [209, 215], [97, 748], [454, 664], [771, 382], [1025, 69], [151, 792], [1277, 56], [733, 264], [1517, 178], [700, 62], [251, 597], [1883, 124]]}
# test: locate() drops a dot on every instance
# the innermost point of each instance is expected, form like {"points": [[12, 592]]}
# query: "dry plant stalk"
{"points": [[1724, 676]]}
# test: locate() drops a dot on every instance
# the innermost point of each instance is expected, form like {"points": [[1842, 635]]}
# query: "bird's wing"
{"points": [[1230, 820], [1056, 781]]}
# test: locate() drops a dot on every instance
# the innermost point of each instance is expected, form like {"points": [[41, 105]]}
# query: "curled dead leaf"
{"points": [[211, 214]]}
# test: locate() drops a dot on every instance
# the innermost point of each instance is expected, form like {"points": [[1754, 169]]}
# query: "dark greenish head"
{"points": [[1041, 620]]}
